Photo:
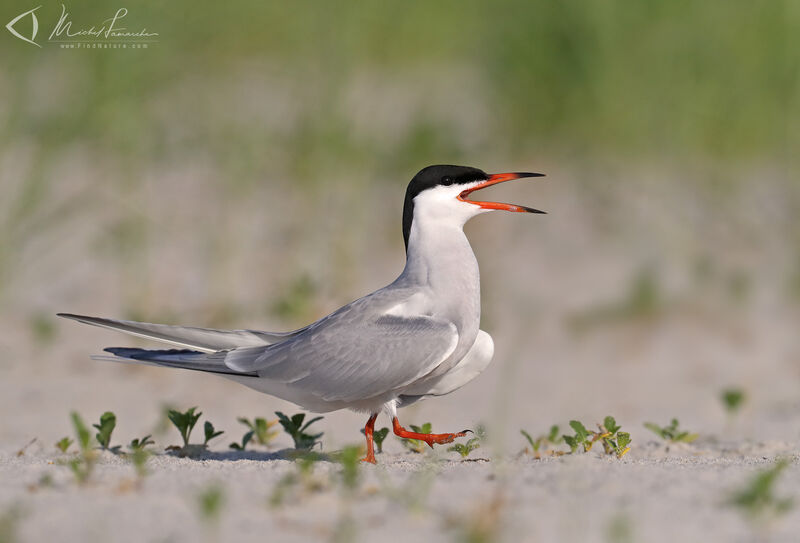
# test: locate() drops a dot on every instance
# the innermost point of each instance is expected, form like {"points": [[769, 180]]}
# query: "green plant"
{"points": [[297, 430], [184, 422], [108, 422], [139, 457], [757, 499], [259, 431], [614, 441], [416, 445], [245, 440], [210, 433], [300, 481], [671, 432], [464, 449], [210, 502], [552, 438], [63, 444], [733, 399], [378, 436], [350, 459], [581, 437], [83, 464], [139, 444]]}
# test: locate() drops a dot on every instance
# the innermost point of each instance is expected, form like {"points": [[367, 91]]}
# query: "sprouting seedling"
{"points": [[303, 480], [210, 502], [614, 441], [349, 458], [138, 457], [108, 421], [672, 432], [184, 422], [81, 431], [733, 399], [259, 431], [296, 429], [464, 449], [63, 444], [757, 499], [245, 440], [416, 445], [581, 437], [210, 433], [138, 444], [552, 438], [83, 465], [378, 436], [262, 429]]}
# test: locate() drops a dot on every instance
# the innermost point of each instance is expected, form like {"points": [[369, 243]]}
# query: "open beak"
{"points": [[494, 180]]}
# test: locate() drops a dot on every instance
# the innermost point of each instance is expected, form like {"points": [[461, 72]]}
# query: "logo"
{"points": [[15, 20], [107, 34]]}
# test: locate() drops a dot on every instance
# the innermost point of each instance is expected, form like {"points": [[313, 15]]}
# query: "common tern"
{"points": [[416, 338]]}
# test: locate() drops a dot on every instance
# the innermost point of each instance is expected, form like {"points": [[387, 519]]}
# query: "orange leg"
{"points": [[430, 439], [368, 429]]}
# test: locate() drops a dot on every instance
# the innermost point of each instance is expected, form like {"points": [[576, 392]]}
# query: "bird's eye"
{"points": [[447, 180]]}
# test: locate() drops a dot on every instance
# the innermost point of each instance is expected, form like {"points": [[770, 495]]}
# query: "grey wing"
{"points": [[349, 358]]}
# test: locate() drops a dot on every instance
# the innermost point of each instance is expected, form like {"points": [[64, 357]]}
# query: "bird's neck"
{"points": [[440, 258]]}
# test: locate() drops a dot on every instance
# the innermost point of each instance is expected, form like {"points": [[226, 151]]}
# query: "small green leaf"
{"points": [[656, 429], [529, 438], [108, 421], [295, 428], [184, 422], [733, 398], [610, 424], [81, 431], [210, 433], [758, 499], [139, 444], [379, 436], [63, 444], [211, 501], [581, 433]]}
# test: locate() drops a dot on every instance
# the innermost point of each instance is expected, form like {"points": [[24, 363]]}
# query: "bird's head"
{"points": [[440, 193]]}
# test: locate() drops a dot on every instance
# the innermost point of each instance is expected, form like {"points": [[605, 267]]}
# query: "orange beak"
{"points": [[494, 180]]}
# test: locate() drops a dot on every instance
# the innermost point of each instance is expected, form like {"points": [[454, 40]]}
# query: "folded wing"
{"points": [[348, 357]]}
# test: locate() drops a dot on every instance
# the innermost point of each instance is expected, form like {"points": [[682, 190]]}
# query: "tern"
{"points": [[416, 338]]}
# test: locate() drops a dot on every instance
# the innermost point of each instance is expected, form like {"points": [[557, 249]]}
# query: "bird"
{"points": [[418, 337]]}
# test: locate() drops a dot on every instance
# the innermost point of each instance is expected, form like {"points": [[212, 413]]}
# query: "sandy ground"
{"points": [[653, 494], [570, 345]]}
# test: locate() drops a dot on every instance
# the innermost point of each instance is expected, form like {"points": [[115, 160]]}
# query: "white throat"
{"points": [[440, 260]]}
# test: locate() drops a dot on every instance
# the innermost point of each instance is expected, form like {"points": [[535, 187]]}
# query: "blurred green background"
{"points": [[256, 127]]}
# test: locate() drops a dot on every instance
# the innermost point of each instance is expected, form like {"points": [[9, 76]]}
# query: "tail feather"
{"points": [[174, 358], [207, 340]]}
